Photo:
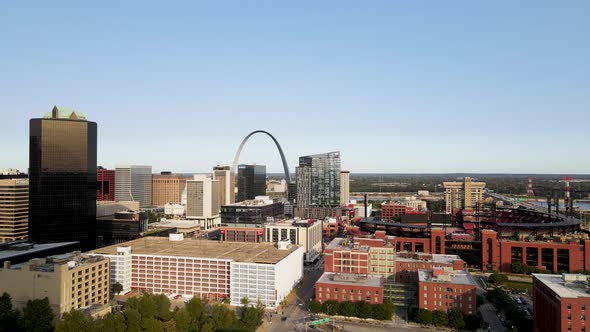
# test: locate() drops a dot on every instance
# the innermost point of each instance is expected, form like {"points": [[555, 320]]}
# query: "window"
{"points": [[569, 305]]}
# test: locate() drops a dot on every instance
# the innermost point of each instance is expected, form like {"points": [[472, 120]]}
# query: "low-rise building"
{"points": [[444, 289], [408, 264], [120, 227], [174, 209], [260, 210], [69, 281], [393, 210], [208, 269], [304, 232], [342, 287], [560, 302]]}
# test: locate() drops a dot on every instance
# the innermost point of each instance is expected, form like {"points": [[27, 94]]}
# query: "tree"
{"points": [[75, 321], [423, 317], [251, 317], [117, 288], [111, 322], [9, 317], [347, 309], [456, 319], [38, 316], [244, 301], [383, 311], [208, 327], [440, 318], [223, 317], [182, 319], [315, 306], [363, 309], [197, 309], [516, 267], [163, 307], [473, 322], [479, 300], [133, 320], [498, 278], [330, 307]]}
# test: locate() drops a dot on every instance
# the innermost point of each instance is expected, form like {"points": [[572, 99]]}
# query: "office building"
{"points": [[134, 183], [560, 302], [344, 187], [227, 184], [167, 188], [62, 178], [463, 195], [389, 211], [11, 173], [318, 186], [105, 184], [209, 269], [70, 281], [257, 211], [14, 209], [251, 181], [121, 226], [203, 201], [349, 287], [23, 250], [443, 289], [305, 233]]}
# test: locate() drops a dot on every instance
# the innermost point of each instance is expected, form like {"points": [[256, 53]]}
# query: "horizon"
{"points": [[397, 88]]}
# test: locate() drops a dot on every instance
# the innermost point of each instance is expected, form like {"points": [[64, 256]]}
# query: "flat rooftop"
{"points": [[566, 285], [5, 254], [176, 223], [454, 277], [351, 279], [345, 244], [264, 253]]}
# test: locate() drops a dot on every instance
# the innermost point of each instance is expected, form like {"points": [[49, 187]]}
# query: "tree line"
{"points": [[148, 312], [360, 309], [455, 318]]}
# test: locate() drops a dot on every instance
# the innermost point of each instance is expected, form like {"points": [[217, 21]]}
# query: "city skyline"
{"points": [[471, 88]]}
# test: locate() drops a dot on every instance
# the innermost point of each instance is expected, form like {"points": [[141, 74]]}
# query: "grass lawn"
{"points": [[525, 286]]}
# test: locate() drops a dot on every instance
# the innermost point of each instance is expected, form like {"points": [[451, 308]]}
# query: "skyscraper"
{"points": [[227, 183], [134, 183], [14, 209], [62, 178], [318, 180], [344, 187], [168, 188], [251, 181], [202, 201], [105, 184]]}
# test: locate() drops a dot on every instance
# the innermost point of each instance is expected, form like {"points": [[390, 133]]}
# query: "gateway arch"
{"points": [[237, 157]]}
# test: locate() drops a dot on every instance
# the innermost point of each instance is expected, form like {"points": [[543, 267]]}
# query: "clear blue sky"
{"points": [[396, 86]]}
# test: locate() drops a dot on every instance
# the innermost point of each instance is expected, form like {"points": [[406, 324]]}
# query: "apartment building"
{"points": [[443, 289]]}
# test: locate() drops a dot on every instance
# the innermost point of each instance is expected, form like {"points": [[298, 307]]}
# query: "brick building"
{"points": [[168, 188], [407, 265], [105, 184], [349, 287], [393, 210], [560, 302], [442, 289]]}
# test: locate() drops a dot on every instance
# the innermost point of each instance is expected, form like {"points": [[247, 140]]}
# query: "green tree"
{"points": [[117, 288], [9, 316], [75, 321], [423, 317], [315, 306], [363, 309], [111, 322], [183, 320], [498, 278], [198, 311], [479, 300], [330, 307], [151, 325], [456, 319], [208, 327], [163, 307], [516, 267], [383, 311], [38, 316], [251, 317], [440, 318], [347, 309], [133, 320], [222, 316], [473, 322], [169, 326], [244, 301]]}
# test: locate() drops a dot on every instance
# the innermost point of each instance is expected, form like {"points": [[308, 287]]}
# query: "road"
{"points": [[488, 311]]}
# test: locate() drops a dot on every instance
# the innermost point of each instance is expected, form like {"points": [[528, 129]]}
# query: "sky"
{"points": [[396, 86]]}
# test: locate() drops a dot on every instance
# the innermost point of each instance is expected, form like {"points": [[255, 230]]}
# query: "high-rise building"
{"points": [[62, 178], [105, 184], [14, 209], [318, 181], [134, 183], [344, 187], [560, 302], [463, 195], [227, 183], [251, 181], [167, 188], [202, 201]]}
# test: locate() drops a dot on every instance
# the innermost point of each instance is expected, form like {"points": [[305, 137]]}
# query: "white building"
{"points": [[276, 186], [413, 202], [344, 187], [202, 201], [134, 183], [208, 269], [174, 209], [306, 233], [359, 209], [227, 184]]}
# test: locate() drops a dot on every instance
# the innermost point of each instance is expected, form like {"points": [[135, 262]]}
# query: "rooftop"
{"points": [[351, 279], [346, 244], [20, 248], [73, 260], [454, 277], [60, 112], [567, 285], [265, 253], [176, 223], [257, 201], [435, 258]]}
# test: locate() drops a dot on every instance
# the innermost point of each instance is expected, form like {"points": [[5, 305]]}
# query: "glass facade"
{"points": [[318, 180], [251, 181], [62, 181]]}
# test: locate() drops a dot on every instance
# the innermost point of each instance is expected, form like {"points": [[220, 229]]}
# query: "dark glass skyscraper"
{"points": [[62, 178], [251, 181], [318, 180]]}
